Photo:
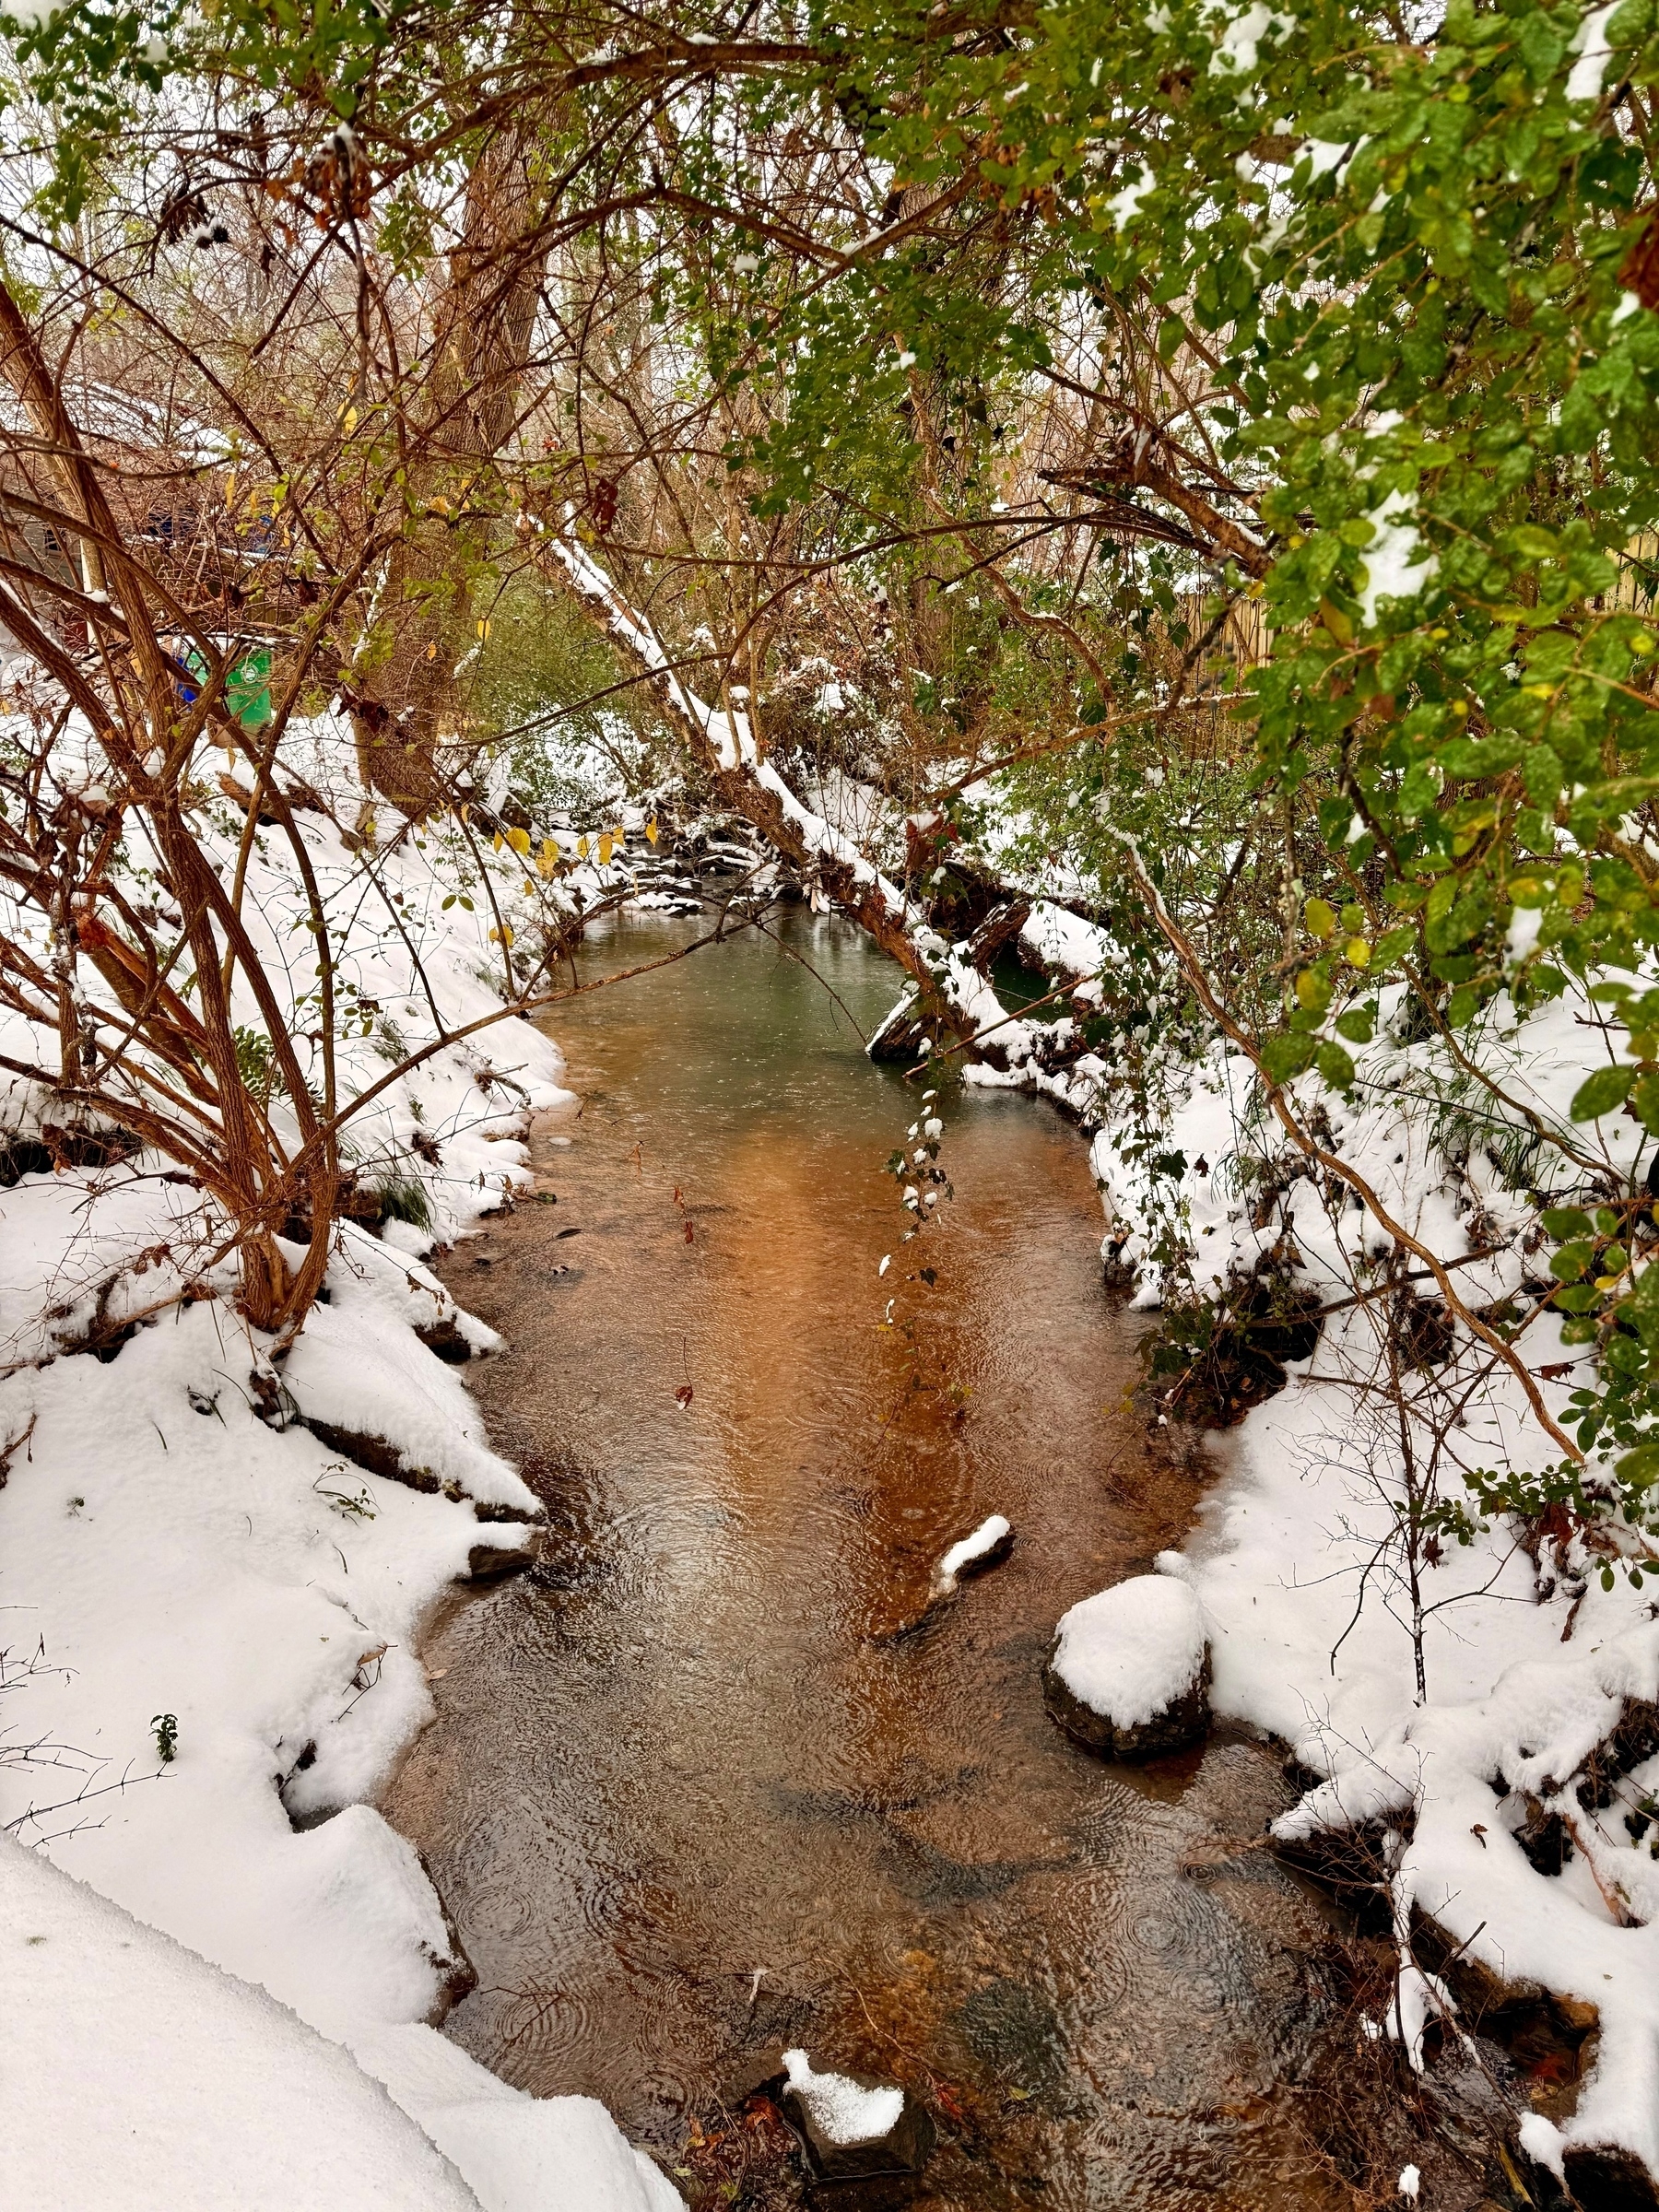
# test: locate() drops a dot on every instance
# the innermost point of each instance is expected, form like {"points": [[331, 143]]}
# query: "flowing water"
{"points": [[713, 1777]]}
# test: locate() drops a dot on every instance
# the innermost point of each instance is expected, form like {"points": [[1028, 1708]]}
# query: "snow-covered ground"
{"points": [[1302, 1560], [212, 1608]]}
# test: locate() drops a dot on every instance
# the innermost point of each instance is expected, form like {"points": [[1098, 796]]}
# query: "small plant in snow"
{"points": [[165, 1728], [351, 1505]]}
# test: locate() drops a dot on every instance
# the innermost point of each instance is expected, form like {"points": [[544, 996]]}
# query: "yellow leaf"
{"points": [[529, 887], [230, 490], [582, 848], [497, 841], [483, 626], [619, 836], [502, 936], [351, 420], [432, 651], [1358, 952], [519, 839], [1321, 917], [605, 851], [651, 829]]}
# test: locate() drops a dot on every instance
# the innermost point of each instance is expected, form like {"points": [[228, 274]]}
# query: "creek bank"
{"points": [[1493, 1740], [225, 1609]]}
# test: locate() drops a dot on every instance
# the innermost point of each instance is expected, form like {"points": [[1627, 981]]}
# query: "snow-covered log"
{"points": [[948, 988]]}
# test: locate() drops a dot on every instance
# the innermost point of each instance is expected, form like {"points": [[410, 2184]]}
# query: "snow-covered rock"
{"points": [[1129, 1673], [988, 1545], [852, 2126]]}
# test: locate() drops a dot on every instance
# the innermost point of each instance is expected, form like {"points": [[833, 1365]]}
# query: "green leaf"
{"points": [[1391, 948], [1314, 989], [1358, 1025], [1532, 543], [1638, 1470], [1562, 1221], [1541, 773], [1335, 1066], [1287, 1055], [1420, 789], [1608, 1087], [1571, 1260]]}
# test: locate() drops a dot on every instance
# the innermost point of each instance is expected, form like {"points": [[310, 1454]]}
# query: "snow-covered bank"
{"points": [[1477, 1692], [137, 2075], [215, 1563]]}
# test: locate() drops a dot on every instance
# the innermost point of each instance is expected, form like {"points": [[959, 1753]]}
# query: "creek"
{"points": [[701, 1783]]}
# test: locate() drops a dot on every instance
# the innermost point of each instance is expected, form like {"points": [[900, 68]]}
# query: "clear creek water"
{"points": [[700, 1785]]}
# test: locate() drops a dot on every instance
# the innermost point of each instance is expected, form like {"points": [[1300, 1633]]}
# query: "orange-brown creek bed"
{"points": [[690, 1791]]}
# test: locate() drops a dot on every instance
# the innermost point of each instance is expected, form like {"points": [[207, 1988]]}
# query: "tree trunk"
{"points": [[405, 690]]}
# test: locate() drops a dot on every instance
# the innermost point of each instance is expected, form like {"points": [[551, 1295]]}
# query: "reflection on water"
{"points": [[688, 1793]]}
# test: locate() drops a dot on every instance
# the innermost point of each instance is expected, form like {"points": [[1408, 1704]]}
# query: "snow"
{"points": [[519, 2153], [1239, 47], [1062, 943], [1590, 44], [357, 1366], [1130, 1652], [1410, 2181], [1394, 569], [986, 1537], [842, 2110], [138, 2076], [1541, 2140], [177, 1540], [1124, 204]]}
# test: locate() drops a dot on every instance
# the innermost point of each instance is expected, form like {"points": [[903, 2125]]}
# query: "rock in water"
{"points": [[488, 1561], [851, 2127], [1129, 1673], [988, 1546]]}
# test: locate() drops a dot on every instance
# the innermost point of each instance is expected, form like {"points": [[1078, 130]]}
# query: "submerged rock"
{"points": [[1129, 1673], [851, 2127]]}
